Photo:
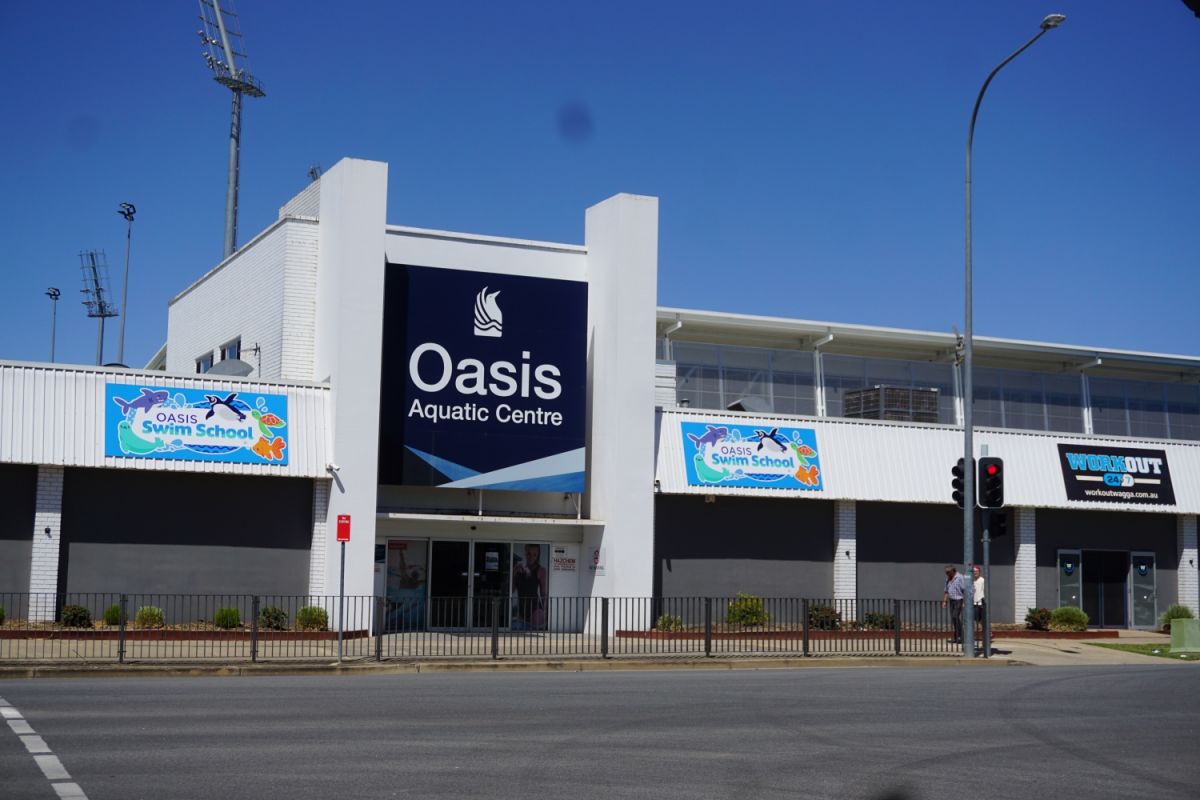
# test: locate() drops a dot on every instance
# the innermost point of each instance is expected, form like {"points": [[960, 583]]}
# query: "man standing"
{"points": [[953, 594], [977, 595]]}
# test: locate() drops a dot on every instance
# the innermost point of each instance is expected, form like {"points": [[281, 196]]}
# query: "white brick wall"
{"points": [[299, 318], [1025, 565], [244, 296], [316, 569], [845, 568], [43, 570], [1189, 562]]}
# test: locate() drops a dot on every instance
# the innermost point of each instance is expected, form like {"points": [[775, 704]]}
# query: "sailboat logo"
{"points": [[489, 320]]}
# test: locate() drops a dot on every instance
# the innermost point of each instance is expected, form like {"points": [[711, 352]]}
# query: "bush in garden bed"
{"points": [[312, 618], [112, 616], [227, 618], [824, 618], [669, 622], [76, 616], [747, 610], [1038, 619], [1068, 618], [2, 615], [879, 620], [1164, 622], [149, 617], [273, 618]]}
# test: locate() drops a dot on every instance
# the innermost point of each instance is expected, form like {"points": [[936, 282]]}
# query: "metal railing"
{"points": [[122, 628]]}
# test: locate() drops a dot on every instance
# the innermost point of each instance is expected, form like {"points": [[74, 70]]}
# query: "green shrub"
{"points": [[149, 617], [669, 622], [1038, 619], [227, 618], [1174, 612], [2, 617], [1068, 618], [824, 618], [747, 610], [75, 616], [312, 618], [273, 618], [112, 616], [879, 620]]}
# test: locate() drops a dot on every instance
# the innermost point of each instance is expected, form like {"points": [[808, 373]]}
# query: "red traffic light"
{"points": [[992, 469]]}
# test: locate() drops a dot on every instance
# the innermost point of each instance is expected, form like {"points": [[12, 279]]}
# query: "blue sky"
{"points": [[808, 156]]}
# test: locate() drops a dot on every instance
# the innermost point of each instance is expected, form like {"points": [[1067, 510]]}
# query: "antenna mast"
{"points": [[225, 56], [94, 266]]}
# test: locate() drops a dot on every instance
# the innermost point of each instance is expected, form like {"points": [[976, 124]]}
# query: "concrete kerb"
{"points": [[181, 670]]}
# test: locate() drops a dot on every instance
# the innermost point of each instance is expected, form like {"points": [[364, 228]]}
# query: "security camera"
{"points": [[332, 467]]}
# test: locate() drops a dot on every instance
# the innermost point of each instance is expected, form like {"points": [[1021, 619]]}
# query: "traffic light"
{"points": [[998, 525], [959, 483], [991, 482]]}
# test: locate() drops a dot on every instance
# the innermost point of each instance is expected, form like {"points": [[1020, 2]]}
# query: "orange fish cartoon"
{"points": [[270, 451], [808, 475]]}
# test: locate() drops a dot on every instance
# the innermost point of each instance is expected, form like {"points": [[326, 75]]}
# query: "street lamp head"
{"points": [[1053, 21]]}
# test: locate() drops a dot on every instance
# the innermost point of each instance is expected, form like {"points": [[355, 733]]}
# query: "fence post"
{"points": [[804, 614], [896, 623], [254, 602], [121, 632], [708, 627], [379, 628], [495, 628], [604, 627]]}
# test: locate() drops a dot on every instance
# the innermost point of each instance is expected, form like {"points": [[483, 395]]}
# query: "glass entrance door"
{"points": [[1104, 588], [493, 566], [449, 584], [1070, 579], [1145, 595]]}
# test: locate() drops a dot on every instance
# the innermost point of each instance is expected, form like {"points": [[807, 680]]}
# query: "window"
{"points": [[204, 363], [231, 349]]}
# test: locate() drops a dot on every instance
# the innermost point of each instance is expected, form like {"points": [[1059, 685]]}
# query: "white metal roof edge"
{"points": [[667, 314], [159, 375], [476, 518]]}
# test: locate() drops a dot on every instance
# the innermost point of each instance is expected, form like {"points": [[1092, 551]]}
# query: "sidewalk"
{"points": [[1006, 652]]}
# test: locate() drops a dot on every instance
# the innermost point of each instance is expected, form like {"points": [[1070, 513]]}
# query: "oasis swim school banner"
{"points": [[195, 425], [751, 456], [483, 382], [1116, 474]]}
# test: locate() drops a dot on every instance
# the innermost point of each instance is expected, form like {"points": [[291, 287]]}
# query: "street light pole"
{"points": [[127, 211], [1049, 23], [53, 294]]}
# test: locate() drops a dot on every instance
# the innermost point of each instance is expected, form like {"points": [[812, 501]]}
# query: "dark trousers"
{"points": [[956, 618]]}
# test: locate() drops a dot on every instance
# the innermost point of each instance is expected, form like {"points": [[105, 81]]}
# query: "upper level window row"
{"points": [[783, 382]]}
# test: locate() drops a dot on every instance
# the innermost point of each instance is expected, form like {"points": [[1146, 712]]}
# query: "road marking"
{"points": [[52, 768], [35, 744], [49, 764], [19, 726]]}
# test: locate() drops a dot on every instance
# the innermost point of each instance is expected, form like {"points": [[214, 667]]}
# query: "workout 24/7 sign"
{"points": [[1116, 474], [484, 380]]}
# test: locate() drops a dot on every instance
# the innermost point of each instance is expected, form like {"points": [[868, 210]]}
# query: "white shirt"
{"points": [[979, 591]]}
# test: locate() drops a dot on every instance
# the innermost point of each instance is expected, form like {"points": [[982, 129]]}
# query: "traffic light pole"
{"points": [[987, 581]]}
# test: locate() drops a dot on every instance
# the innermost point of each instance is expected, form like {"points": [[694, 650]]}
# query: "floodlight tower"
{"points": [[94, 266], [223, 52], [53, 293]]}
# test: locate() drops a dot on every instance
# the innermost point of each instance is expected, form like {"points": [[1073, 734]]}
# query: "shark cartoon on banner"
{"points": [[195, 425], [750, 456]]}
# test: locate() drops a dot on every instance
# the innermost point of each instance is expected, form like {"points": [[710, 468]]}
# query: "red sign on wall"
{"points": [[343, 529]]}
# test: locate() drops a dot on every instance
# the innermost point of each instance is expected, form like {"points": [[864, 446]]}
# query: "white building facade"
{"points": [[494, 417]]}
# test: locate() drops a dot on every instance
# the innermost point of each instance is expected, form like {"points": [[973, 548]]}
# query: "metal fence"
{"points": [[124, 628]]}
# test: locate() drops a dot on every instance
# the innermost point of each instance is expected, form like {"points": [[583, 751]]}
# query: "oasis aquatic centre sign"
{"points": [[484, 380], [145, 421], [751, 456], [1116, 474]]}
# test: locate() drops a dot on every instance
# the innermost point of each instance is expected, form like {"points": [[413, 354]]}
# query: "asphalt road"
{"points": [[1007, 732]]}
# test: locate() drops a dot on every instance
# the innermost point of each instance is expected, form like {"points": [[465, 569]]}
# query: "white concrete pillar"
{"points": [[845, 554], [1189, 562], [1025, 563], [47, 538], [320, 529], [621, 234]]}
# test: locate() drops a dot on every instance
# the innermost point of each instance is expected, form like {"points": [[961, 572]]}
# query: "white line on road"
{"points": [[51, 767]]}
